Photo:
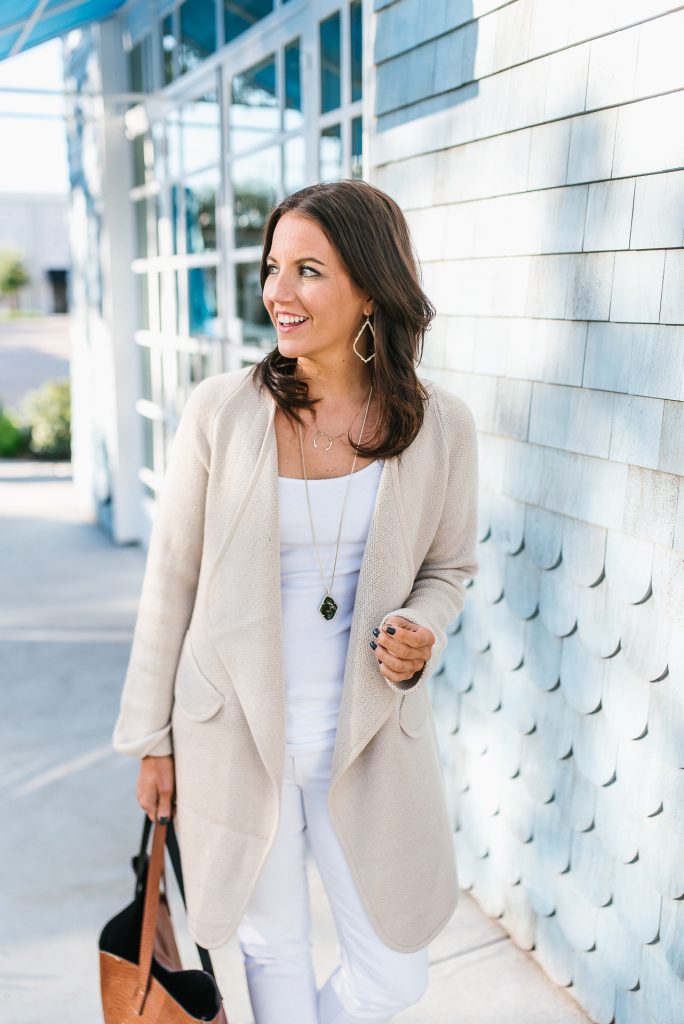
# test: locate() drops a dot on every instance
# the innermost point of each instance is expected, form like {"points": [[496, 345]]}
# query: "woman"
{"points": [[310, 547]]}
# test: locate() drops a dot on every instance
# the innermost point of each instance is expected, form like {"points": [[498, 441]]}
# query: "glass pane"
{"points": [[169, 44], [173, 143], [357, 147], [148, 443], [200, 210], [257, 328], [239, 16], [159, 215], [330, 62], [143, 301], [202, 310], [139, 160], [140, 211], [182, 379], [136, 72], [176, 225], [254, 113], [159, 150], [355, 22], [145, 373], [256, 182], [198, 33], [330, 154], [293, 92], [200, 132], [295, 164]]}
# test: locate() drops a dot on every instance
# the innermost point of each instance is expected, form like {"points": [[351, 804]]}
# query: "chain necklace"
{"points": [[331, 437], [328, 605]]}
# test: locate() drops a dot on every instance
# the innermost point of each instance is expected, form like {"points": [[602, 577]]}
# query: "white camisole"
{"points": [[314, 648]]}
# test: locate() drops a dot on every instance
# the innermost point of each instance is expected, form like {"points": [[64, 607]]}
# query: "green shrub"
{"points": [[12, 437], [48, 413]]}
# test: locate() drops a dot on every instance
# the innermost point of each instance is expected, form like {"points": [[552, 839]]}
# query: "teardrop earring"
{"points": [[363, 326]]}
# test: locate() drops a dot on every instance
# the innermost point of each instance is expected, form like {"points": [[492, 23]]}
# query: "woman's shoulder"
{"points": [[207, 397], [454, 413]]}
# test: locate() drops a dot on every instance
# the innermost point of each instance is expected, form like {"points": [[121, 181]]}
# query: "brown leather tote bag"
{"points": [[142, 980]]}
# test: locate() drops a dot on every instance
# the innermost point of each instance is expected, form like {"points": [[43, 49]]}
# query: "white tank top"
{"points": [[314, 648]]}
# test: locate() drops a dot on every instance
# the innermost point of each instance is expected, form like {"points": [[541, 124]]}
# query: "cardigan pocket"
{"points": [[413, 711], [198, 698]]}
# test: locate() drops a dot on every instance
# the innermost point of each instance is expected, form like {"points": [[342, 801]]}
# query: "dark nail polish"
{"points": [[373, 644], [391, 630], [376, 631]]}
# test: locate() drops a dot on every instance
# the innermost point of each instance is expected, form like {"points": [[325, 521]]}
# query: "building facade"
{"points": [[36, 227], [536, 148]]}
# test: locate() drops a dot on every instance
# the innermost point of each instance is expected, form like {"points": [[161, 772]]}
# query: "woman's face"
{"points": [[305, 278]]}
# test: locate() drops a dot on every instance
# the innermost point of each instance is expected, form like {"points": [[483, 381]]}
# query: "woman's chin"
{"points": [[292, 349]]}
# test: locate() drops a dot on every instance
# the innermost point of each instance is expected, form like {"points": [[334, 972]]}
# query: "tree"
{"points": [[13, 276]]}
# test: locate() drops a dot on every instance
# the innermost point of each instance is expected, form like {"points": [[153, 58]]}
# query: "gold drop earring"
{"points": [[363, 326]]}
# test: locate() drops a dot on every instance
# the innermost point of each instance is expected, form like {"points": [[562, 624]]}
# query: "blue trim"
{"points": [[54, 21]]}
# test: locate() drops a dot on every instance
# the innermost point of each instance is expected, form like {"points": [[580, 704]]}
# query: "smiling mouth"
{"points": [[287, 327]]}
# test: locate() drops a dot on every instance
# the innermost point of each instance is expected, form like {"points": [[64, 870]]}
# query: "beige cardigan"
{"points": [[204, 679]]}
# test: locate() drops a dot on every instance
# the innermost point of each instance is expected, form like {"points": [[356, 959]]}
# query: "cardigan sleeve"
{"points": [[169, 586], [438, 594]]}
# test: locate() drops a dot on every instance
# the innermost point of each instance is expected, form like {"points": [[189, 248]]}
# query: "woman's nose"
{"points": [[281, 289]]}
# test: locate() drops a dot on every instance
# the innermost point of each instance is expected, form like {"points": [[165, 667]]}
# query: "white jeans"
{"points": [[372, 981]]}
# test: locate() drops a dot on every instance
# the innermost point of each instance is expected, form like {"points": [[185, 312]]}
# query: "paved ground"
{"points": [[31, 351], [70, 821]]}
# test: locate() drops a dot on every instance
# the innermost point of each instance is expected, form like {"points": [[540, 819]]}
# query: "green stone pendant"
{"points": [[328, 607]]}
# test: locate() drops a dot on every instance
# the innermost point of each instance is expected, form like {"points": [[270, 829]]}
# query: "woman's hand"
{"points": [[401, 647], [156, 785]]}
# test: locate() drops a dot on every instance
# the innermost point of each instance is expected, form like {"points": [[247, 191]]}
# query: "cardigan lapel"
{"points": [[244, 605]]}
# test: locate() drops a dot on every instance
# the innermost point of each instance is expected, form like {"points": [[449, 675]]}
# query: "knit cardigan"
{"points": [[204, 678]]}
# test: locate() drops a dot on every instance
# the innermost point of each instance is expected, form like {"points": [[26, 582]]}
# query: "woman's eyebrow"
{"points": [[302, 259]]}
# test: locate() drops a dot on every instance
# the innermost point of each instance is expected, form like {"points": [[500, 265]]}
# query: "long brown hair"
{"points": [[370, 234]]}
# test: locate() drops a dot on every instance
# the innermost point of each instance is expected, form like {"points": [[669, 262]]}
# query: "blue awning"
{"points": [[25, 23]]}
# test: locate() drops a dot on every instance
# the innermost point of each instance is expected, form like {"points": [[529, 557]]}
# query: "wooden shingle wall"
{"points": [[537, 148]]}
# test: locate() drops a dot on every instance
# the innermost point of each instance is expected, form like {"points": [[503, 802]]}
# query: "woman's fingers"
{"points": [[155, 787], [407, 644], [402, 648], [405, 672]]}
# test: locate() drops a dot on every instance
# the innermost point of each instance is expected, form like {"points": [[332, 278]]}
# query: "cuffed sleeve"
{"points": [[438, 594], [169, 587]]}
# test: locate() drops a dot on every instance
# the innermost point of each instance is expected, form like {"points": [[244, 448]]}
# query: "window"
{"points": [[254, 110], [256, 185], [239, 16], [330, 62], [197, 32], [356, 49], [330, 156]]}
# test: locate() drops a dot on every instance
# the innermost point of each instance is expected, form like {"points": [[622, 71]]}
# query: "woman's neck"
{"points": [[336, 386]]}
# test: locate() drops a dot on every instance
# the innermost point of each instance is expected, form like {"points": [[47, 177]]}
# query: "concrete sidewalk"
{"points": [[70, 821]]}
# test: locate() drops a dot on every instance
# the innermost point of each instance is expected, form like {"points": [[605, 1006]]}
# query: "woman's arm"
{"points": [[438, 593], [169, 586]]}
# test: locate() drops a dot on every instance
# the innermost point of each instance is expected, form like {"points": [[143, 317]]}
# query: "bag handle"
{"points": [[149, 921], [174, 854]]}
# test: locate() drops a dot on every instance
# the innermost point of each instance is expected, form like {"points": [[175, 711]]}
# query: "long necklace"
{"points": [[330, 437], [328, 605]]}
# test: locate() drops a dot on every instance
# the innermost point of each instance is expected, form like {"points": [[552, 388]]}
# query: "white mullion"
{"points": [[363, 108], [225, 297], [280, 99], [311, 104]]}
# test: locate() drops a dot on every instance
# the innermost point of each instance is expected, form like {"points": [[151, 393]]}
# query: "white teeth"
{"points": [[291, 319]]}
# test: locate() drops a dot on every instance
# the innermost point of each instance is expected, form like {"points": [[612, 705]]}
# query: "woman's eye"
{"points": [[272, 266]]}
